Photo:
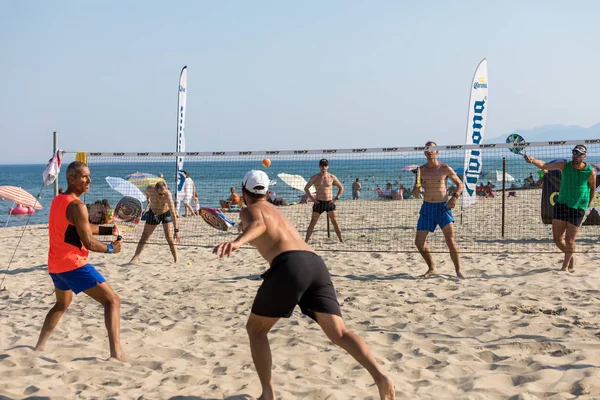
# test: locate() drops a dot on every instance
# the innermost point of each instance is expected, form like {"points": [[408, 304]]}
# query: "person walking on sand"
{"points": [[324, 181], [71, 239], [162, 210], [577, 190], [356, 189], [297, 276], [436, 208]]}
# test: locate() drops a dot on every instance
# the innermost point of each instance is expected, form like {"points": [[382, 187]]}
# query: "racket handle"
{"points": [[119, 237]]}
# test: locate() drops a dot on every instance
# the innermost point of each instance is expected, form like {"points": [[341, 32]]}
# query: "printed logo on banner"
{"points": [[359, 150], [480, 84], [272, 152], [329, 151], [181, 88], [118, 154], [245, 153], [300, 151], [454, 147], [386, 149], [218, 153], [143, 154], [166, 154]]}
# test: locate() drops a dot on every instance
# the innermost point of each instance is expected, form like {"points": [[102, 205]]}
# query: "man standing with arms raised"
{"points": [[297, 276], [162, 211], [71, 239], [577, 189], [437, 208], [324, 201]]}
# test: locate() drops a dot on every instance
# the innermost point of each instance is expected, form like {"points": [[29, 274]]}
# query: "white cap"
{"points": [[256, 182]]}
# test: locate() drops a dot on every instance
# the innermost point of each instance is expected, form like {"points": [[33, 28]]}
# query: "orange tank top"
{"points": [[66, 252]]}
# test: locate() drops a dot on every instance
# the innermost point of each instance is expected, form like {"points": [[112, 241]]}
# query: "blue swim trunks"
{"points": [[78, 280], [432, 215]]}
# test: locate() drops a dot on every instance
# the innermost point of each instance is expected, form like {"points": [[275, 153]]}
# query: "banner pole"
{"points": [[55, 147]]}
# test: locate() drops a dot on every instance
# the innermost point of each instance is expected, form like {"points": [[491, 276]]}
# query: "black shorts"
{"points": [[296, 277], [566, 213], [156, 219], [323, 206]]}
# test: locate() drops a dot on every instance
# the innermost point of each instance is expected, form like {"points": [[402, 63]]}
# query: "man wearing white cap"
{"points": [[297, 276], [577, 188]]}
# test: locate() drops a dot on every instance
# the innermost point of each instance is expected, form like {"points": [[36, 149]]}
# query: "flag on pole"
{"points": [[53, 168], [181, 109], [476, 123]]}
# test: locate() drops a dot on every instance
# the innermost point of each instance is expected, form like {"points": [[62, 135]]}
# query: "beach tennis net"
{"points": [[383, 215]]}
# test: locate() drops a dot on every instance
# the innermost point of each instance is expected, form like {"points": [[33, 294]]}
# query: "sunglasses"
{"points": [[578, 153]]}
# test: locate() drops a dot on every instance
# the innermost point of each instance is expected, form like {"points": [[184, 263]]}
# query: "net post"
{"points": [[328, 231], [503, 191], [54, 148]]}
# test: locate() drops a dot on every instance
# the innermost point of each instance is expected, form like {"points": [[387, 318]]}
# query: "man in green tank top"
{"points": [[577, 188]]}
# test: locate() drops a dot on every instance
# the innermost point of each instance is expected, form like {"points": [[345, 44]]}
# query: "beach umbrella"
{"points": [[142, 179], [19, 196], [295, 181], [496, 176], [410, 168], [126, 188]]}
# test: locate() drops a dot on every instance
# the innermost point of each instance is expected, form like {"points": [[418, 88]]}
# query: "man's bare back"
{"points": [[279, 236]]}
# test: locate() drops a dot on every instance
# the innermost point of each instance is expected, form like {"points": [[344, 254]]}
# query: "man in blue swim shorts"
{"points": [[436, 209], [71, 240]]}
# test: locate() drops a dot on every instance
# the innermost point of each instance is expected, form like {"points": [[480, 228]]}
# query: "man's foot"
{"points": [[459, 274], [40, 347], [571, 267], [386, 389], [119, 356], [134, 260], [267, 394], [430, 272]]}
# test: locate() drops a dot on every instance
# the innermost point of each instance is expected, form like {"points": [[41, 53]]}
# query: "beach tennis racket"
{"points": [[216, 218], [127, 214], [518, 142]]}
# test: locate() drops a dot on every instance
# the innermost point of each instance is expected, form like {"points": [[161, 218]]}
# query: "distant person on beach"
{"points": [[61, 190], [437, 208], [356, 189], [233, 200], [161, 211], [187, 192], [324, 181], [297, 276], [71, 239], [577, 190]]}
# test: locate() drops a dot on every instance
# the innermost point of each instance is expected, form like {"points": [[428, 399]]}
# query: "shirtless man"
{"points": [[71, 239], [162, 210], [297, 276], [323, 182], [437, 208]]}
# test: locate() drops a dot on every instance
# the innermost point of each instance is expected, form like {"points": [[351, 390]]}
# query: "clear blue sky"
{"points": [[284, 75]]}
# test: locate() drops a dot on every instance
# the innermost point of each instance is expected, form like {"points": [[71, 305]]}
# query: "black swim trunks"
{"points": [[296, 277], [566, 213], [323, 206], [156, 219]]}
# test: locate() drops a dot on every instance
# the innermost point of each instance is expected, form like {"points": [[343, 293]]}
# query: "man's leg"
{"points": [[559, 228], [448, 231], [147, 232], [258, 328], [63, 299], [336, 225], [169, 232], [106, 296], [311, 226], [570, 235], [336, 331], [420, 242]]}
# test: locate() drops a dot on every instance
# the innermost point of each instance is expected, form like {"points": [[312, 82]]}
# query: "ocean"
{"points": [[214, 178]]}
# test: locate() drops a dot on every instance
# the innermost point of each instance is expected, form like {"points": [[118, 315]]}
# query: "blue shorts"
{"points": [[78, 280], [432, 215]]}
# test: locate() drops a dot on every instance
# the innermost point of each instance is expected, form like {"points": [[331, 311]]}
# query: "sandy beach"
{"points": [[515, 328]]}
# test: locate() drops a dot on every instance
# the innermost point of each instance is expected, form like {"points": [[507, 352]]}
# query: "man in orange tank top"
{"points": [[71, 239]]}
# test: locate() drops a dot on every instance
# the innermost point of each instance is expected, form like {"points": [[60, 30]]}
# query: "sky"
{"points": [[279, 75]]}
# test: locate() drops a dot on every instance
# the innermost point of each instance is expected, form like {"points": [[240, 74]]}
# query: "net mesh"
{"points": [[383, 218]]}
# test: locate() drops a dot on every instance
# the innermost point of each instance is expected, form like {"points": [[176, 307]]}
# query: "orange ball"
{"points": [[266, 163]]}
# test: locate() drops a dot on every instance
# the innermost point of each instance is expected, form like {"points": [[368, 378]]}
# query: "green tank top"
{"points": [[574, 190]]}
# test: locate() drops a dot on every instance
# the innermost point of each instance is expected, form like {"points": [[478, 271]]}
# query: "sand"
{"points": [[515, 328]]}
